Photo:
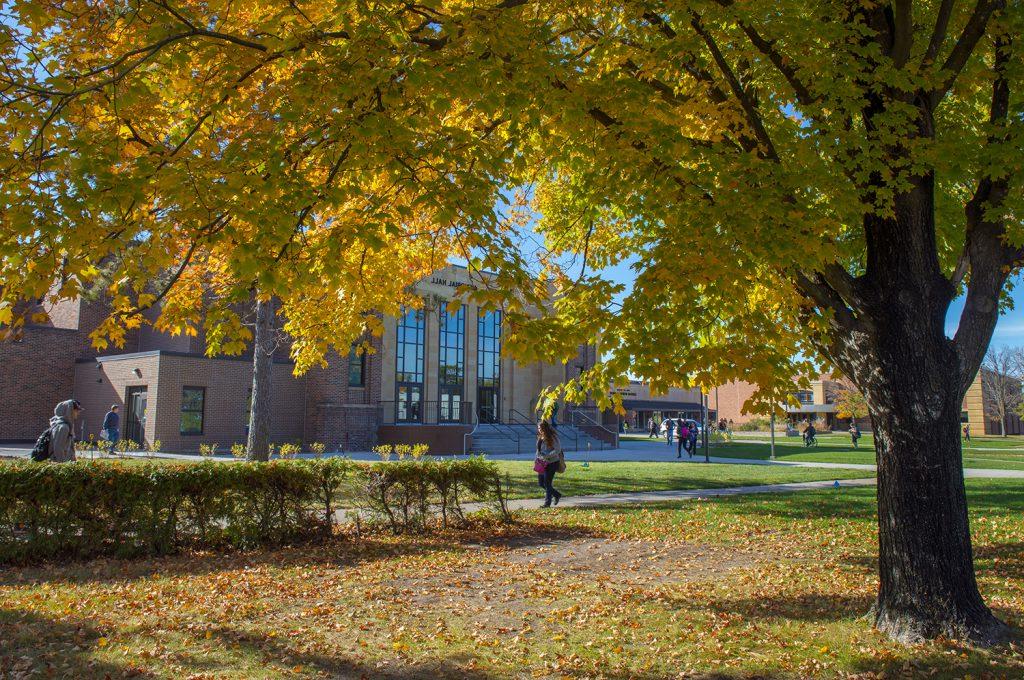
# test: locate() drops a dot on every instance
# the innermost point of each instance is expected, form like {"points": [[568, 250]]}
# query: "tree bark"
{"points": [[927, 586], [258, 445], [894, 347]]}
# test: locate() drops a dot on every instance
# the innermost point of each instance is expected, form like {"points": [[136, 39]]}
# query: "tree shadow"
{"points": [[341, 667], [33, 645], [340, 552], [807, 607], [946, 662]]}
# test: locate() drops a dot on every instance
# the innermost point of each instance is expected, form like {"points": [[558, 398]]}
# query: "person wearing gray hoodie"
{"points": [[62, 431]]}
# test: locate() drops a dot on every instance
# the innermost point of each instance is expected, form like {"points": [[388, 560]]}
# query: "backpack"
{"points": [[41, 451]]}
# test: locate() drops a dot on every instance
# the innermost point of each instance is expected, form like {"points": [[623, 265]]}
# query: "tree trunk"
{"points": [[896, 350], [927, 586], [258, 445]]}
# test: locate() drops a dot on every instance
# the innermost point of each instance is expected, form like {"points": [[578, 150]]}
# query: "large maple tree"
{"points": [[791, 180]]}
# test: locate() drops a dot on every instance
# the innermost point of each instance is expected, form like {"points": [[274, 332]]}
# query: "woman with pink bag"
{"points": [[549, 461]]}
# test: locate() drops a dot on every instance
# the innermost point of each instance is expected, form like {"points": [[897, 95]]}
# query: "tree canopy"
{"points": [[791, 181]]}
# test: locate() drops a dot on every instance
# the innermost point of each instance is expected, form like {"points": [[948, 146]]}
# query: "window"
{"points": [[409, 366], [488, 359], [804, 396], [451, 346], [356, 368], [193, 400], [965, 417]]}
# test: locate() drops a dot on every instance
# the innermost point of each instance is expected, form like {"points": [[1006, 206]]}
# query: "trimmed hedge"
{"points": [[86, 509]]}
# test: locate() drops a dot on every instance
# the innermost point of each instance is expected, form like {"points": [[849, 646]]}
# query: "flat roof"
{"points": [[657, 405], [167, 353]]}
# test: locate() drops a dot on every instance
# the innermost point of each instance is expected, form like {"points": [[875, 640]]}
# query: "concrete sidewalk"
{"points": [[641, 497]]}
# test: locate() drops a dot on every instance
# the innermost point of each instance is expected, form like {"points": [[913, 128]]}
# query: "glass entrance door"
{"points": [[135, 414], [409, 406], [450, 407], [489, 410]]}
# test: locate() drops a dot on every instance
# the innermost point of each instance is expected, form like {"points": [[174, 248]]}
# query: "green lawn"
{"points": [[732, 588], [618, 477], [989, 453]]}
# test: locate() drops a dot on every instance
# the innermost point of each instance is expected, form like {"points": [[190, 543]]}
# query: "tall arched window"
{"points": [[409, 367], [451, 352], [488, 361]]}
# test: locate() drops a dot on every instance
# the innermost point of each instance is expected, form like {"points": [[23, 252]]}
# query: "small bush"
{"points": [[758, 424], [86, 509]]}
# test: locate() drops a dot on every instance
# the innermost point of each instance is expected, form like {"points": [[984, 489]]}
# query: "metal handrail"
{"points": [[523, 418], [476, 426], [506, 431], [593, 423]]}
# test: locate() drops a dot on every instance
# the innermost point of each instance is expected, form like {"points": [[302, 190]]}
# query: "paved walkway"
{"points": [[639, 497]]}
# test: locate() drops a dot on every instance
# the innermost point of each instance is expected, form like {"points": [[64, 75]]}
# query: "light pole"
{"points": [[704, 430]]}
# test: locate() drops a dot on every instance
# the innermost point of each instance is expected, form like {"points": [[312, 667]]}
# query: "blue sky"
{"points": [[1009, 330]]}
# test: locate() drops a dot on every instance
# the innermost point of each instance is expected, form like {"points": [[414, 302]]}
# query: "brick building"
{"points": [[817, 403], [432, 376]]}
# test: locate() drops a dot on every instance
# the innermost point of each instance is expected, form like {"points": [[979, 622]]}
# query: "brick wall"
{"points": [[227, 383], [730, 398], [36, 373], [341, 417], [100, 384]]}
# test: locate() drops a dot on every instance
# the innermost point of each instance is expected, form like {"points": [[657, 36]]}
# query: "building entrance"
{"points": [[489, 410], [135, 414]]}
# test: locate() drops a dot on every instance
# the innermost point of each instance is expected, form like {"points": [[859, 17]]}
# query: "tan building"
{"points": [[642, 406]]}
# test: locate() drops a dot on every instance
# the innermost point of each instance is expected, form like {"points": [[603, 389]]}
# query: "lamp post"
{"points": [[704, 430]]}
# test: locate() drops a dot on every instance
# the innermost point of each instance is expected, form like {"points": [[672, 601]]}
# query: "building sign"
{"points": [[450, 283], [444, 283]]}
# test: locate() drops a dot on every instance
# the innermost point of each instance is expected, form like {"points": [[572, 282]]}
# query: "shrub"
{"points": [[86, 509], [410, 495], [757, 424]]}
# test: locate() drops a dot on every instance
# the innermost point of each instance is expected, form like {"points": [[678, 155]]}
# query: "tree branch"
{"points": [[986, 252], [965, 44], [749, 107], [902, 33], [938, 33]]}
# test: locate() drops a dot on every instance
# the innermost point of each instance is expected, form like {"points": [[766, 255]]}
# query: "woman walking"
{"points": [[549, 461]]}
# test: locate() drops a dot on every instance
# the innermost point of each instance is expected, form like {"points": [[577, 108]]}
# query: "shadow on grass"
{"points": [[343, 551], [334, 665], [37, 646]]}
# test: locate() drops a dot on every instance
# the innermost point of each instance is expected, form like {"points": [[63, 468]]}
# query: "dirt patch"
{"points": [[503, 585]]}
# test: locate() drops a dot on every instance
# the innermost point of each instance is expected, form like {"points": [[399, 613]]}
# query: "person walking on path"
{"points": [[693, 441], [548, 462], [653, 427], [62, 431], [854, 433], [669, 427], [112, 425], [684, 440]]}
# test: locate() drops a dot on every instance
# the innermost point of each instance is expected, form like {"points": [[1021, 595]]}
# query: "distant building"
{"points": [[432, 376], [641, 406], [818, 403]]}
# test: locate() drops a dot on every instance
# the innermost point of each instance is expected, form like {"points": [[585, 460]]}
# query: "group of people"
{"points": [[685, 432], [57, 442]]}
